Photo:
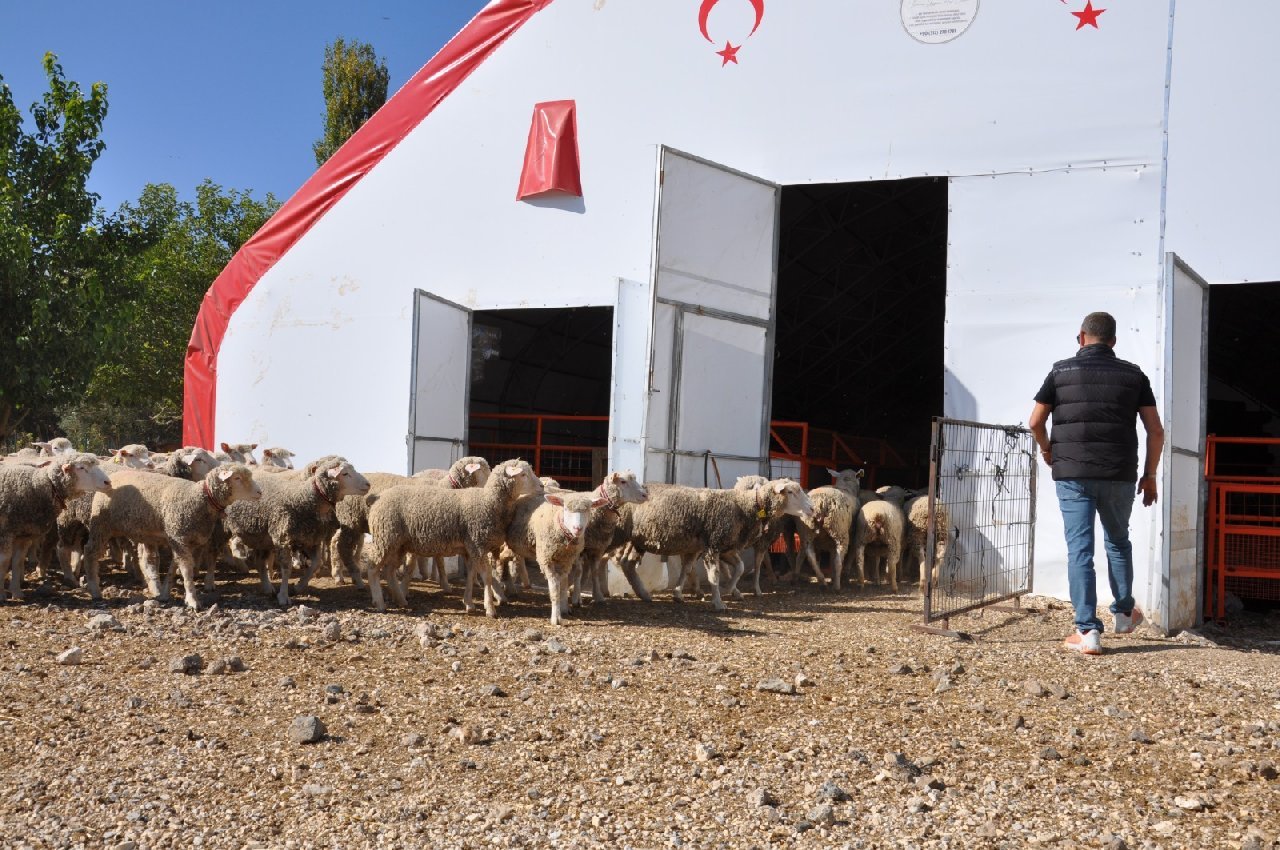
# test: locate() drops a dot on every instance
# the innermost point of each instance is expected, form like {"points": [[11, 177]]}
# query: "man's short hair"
{"points": [[1099, 326]]}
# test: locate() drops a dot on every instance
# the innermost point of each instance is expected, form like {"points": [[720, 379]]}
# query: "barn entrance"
{"points": [[1243, 412], [540, 390], [861, 298], [529, 383]]}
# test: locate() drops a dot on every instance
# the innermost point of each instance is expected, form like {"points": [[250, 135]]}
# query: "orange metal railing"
{"points": [[567, 448], [1242, 520]]}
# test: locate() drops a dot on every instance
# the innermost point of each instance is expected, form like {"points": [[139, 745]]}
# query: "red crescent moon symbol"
{"points": [[704, 12], [707, 5]]}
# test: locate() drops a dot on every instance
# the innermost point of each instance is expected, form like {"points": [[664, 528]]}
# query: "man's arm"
{"points": [[1155, 446], [1038, 423]]}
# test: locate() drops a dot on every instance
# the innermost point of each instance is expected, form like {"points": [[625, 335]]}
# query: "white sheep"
{"points": [[713, 524], [278, 457], [830, 529], [155, 511], [879, 529], [293, 521], [917, 538], [617, 489], [31, 498], [443, 522], [552, 531], [237, 453]]}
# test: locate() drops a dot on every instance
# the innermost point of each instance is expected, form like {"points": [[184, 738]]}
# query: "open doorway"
{"points": [[540, 389], [1243, 412], [861, 301]]}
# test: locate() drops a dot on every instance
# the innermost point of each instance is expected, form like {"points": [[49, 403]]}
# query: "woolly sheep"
{"points": [[691, 522], [132, 456], [914, 555], [31, 497], [237, 453], [879, 528], [831, 528], [617, 489], [442, 522], [552, 531], [55, 447], [293, 521], [470, 471], [156, 510], [278, 457]]}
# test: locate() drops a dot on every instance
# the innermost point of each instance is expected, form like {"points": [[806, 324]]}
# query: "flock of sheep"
{"points": [[62, 512]]}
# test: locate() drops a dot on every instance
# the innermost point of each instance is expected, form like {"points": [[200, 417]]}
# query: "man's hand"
{"points": [[1147, 487], [1047, 454]]}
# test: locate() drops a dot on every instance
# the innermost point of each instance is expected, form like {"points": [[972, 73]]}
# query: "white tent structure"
{"points": [[1072, 150]]}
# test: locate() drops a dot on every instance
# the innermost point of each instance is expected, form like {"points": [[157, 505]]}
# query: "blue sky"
{"points": [[230, 91]]}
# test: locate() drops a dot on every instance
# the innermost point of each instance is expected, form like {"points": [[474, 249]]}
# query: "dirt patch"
{"points": [[634, 725]]}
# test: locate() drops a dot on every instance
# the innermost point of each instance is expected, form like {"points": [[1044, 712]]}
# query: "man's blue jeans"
{"points": [[1112, 501]]}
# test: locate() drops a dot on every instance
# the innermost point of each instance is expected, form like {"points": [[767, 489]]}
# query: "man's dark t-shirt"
{"points": [[1095, 398]]}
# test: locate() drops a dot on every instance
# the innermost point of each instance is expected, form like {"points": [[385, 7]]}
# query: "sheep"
{"points": [[132, 456], [617, 489], [293, 521], [831, 528], [156, 510], [237, 453], [278, 457], [31, 497], [55, 447], [879, 527], [470, 471], [440, 522], [551, 530], [917, 531], [691, 522]]}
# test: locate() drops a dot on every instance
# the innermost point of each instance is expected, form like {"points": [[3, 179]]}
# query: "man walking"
{"points": [[1094, 398]]}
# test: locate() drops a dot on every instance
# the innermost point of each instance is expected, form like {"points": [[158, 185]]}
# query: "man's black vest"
{"points": [[1096, 397]]}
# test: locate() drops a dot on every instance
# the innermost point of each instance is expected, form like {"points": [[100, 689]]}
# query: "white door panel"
{"points": [[1178, 598], [441, 380], [713, 322]]}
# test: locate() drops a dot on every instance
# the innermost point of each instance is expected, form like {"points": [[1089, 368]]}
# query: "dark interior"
{"points": [[861, 300], [1244, 391]]}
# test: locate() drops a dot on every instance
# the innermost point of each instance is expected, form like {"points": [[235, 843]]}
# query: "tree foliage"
{"points": [[355, 87], [136, 389], [59, 256], [96, 309]]}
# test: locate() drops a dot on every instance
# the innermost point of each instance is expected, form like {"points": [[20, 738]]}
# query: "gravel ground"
{"points": [[802, 719]]}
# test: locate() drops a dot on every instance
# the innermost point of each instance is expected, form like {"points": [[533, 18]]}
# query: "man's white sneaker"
{"points": [[1089, 643], [1126, 623]]}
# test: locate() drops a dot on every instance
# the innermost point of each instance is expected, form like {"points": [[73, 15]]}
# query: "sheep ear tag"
{"points": [[760, 514]]}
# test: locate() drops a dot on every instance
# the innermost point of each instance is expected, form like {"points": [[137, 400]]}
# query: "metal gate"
{"points": [[980, 544]]}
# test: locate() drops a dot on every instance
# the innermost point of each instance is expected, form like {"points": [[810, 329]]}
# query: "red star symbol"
{"points": [[730, 54], [1088, 16]]}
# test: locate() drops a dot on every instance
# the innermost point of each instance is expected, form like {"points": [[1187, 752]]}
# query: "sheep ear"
{"points": [[225, 472], [615, 477], [67, 468], [225, 447], [862, 473], [252, 446], [266, 453], [555, 500], [599, 503], [472, 468], [334, 471], [514, 471], [780, 486], [832, 472]]}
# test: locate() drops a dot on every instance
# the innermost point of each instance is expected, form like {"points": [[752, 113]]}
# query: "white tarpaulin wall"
{"points": [[1052, 136]]}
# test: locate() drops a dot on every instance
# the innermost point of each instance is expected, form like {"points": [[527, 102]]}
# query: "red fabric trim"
{"points": [[364, 150], [551, 154]]}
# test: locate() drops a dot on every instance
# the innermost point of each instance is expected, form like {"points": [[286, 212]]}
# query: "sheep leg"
{"points": [[399, 589], [442, 575], [185, 560], [69, 559], [149, 564], [346, 555], [263, 563], [812, 557], [739, 567], [314, 562], [837, 565], [17, 566], [485, 566], [210, 564], [712, 561], [762, 558], [575, 583], [553, 590], [599, 580], [6, 562], [374, 579], [287, 562], [892, 557], [628, 562]]}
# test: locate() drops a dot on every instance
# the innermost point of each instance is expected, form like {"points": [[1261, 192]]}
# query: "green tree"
{"points": [[135, 394], [355, 87], [59, 257]]}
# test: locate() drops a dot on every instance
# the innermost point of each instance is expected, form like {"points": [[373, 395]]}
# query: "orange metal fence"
{"points": [[569, 448], [1242, 522]]}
